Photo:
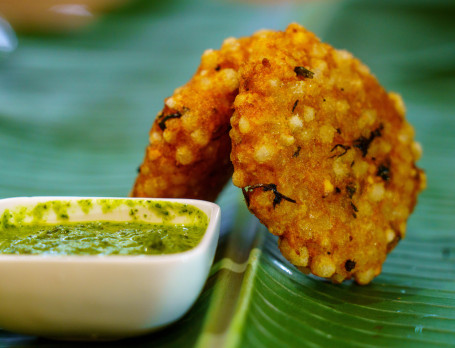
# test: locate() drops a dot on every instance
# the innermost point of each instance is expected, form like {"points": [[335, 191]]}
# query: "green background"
{"points": [[75, 110]]}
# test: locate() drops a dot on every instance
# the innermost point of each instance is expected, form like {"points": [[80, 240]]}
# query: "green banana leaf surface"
{"points": [[76, 108]]}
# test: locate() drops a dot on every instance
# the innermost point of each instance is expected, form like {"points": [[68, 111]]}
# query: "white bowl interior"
{"points": [[79, 209]]}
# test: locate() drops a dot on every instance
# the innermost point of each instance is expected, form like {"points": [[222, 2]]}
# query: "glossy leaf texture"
{"points": [[75, 110]]}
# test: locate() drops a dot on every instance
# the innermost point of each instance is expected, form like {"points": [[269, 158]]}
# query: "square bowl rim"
{"points": [[201, 247]]}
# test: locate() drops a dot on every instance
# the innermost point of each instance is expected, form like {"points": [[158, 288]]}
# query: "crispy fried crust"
{"points": [[324, 155], [188, 154]]}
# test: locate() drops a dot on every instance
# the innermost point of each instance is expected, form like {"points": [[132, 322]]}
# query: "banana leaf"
{"points": [[75, 110]]}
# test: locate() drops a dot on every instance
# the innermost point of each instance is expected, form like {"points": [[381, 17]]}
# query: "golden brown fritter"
{"points": [[324, 155], [188, 154]]}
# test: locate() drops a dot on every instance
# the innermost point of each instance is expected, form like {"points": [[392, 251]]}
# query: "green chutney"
{"points": [[100, 238]]}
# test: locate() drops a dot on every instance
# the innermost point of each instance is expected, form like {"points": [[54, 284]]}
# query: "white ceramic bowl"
{"points": [[101, 297]]}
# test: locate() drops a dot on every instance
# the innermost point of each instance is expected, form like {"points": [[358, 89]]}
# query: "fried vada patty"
{"points": [[189, 144], [324, 155]]}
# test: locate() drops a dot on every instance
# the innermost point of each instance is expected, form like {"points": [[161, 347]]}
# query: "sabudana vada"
{"points": [[324, 155]]}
